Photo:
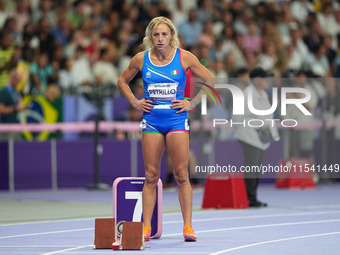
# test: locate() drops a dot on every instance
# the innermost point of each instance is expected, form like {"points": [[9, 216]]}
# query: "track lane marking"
{"points": [[273, 241]]}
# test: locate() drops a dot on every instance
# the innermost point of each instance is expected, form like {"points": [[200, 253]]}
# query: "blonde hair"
{"points": [[147, 41]]}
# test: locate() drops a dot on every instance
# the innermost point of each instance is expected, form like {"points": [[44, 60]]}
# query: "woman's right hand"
{"points": [[143, 104]]}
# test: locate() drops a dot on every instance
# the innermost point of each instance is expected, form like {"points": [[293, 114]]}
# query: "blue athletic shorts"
{"points": [[164, 120]]}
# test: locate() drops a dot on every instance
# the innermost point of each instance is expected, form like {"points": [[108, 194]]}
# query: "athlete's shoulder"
{"points": [[139, 56], [188, 59], [137, 60], [187, 54]]}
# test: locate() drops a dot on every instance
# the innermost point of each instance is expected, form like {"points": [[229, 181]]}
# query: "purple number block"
{"points": [[127, 203]]}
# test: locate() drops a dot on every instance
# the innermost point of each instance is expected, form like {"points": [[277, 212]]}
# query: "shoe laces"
{"points": [[146, 229], [188, 230]]}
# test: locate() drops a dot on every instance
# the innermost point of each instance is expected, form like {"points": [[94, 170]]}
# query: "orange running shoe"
{"points": [[147, 233], [189, 234]]}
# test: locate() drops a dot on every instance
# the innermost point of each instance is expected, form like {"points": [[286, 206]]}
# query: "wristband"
{"points": [[194, 101]]}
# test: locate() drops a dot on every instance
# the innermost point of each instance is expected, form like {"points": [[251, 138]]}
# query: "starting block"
{"points": [[104, 233], [127, 204], [300, 174], [225, 191], [132, 237]]}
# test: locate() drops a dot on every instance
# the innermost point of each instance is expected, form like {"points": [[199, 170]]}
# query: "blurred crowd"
{"points": [[61, 47], [79, 42], [75, 43]]}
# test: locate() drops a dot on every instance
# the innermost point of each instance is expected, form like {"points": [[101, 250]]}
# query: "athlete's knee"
{"points": [[181, 175], [152, 175]]}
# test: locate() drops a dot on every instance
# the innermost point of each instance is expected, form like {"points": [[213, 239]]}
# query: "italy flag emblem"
{"points": [[174, 72]]}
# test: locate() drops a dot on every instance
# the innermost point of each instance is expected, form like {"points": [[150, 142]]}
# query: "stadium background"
{"points": [[82, 46]]}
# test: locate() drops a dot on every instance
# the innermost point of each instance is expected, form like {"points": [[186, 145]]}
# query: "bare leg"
{"points": [[153, 148], [178, 148]]}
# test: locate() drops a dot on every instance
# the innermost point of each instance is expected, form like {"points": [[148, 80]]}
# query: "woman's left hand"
{"points": [[183, 105]]}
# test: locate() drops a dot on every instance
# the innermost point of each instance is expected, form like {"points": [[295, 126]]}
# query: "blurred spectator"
{"points": [[66, 79], [97, 18], [242, 79], [207, 37], [226, 20], [330, 53], [62, 32], [107, 8], [180, 15], [242, 21], [252, 39], [30, 39], [76, 41], [238, 51], [10, 26], [296, 41], [81, 69], [327, 20], [21, 14], [284, 20], [92, 49], [229, 63], [7, 60], [261, 12], [104, 71], [46, 39], [190, 29], [55, 58], [219, 70], [251, 60], [10, 104], [24, 57], [294, 58], [300, 10], [227, 39], [205, 10], [40, 71], [45, 10], [314, 38], [4, 14], [318, 61], [268, 59], [78, 16], [270, 33]]}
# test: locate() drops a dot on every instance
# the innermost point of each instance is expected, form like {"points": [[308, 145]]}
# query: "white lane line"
{"points": [[47, 233], [202, 220], [194, 220], [273, 241], [71, 249], [261, 226], [257, 216], [50, 221]]}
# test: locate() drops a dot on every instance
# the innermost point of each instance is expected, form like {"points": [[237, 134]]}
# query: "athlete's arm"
{"points": [[128, 74], [189, 61]]}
